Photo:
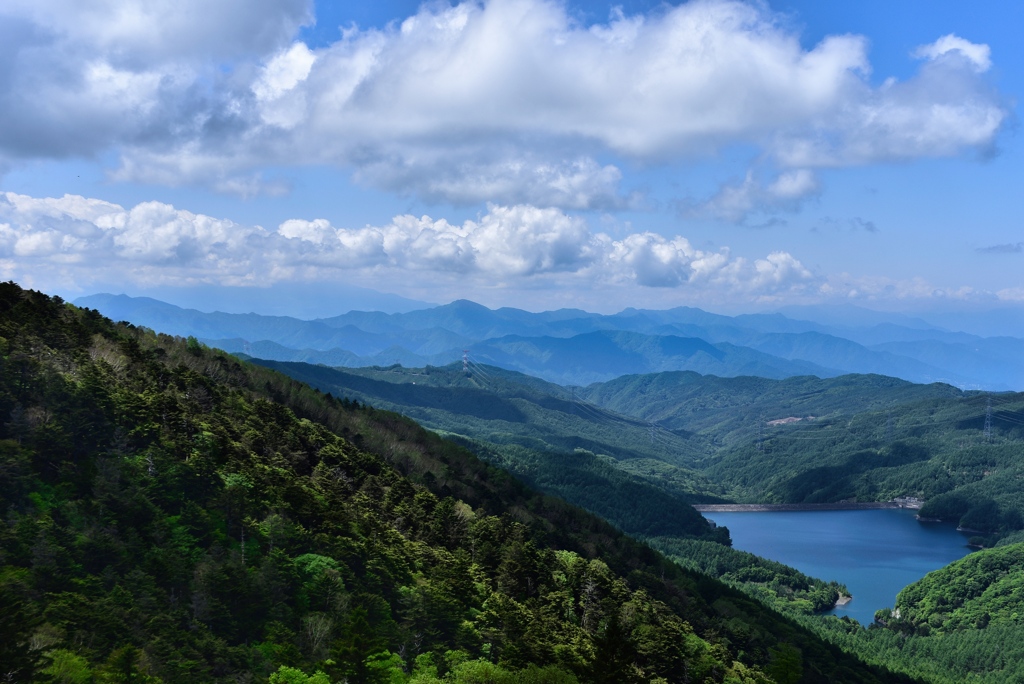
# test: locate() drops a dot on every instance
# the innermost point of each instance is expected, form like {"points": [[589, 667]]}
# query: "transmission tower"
{"points": [[988, 420], [465, 361]]}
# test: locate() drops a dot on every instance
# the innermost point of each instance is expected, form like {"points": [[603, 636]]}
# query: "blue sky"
{"points": [[733, 156]]}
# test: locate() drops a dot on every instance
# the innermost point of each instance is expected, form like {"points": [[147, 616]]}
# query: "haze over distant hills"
{"points": [[300, 300], [575, 347]]}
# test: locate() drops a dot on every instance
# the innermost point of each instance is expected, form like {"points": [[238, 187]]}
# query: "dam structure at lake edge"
{"points": [[901, 502]]}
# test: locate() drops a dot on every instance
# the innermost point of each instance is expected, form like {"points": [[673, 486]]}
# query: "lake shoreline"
{"points": [[772, 508], [873, 553]]}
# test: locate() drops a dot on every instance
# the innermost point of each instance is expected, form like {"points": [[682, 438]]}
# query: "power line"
{"points": [[479, 370]]}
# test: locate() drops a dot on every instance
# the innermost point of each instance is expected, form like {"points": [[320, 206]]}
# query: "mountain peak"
{"points": [[464, 305]]}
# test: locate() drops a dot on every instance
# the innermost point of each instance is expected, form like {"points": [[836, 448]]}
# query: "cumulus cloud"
{"points": [[952, 45], [81, 78], [139, 34], [520, 246], [473, 176], [946, 109], [736, 202], [512, 101], [151, 242]]}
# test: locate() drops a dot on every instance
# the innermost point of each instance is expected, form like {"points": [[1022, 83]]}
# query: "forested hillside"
{"points": [[537, 431], [865, 438], [172, 514], [637, 476], [703, 438], [959, 623], [832, 433], [982, 590]]}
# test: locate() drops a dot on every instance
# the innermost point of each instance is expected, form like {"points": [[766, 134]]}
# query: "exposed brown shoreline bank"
{"points": [[773, 508]]}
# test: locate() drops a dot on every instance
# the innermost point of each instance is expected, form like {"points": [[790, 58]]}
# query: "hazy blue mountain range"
{"points": [[570, 346], [604, 355], [983, 320], [301, 300]]}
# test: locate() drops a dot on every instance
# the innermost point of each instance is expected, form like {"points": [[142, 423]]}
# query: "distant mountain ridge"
{"points": [[575, 347]]}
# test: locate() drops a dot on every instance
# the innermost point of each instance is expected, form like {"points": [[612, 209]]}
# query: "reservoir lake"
{"points": [[875, 553]]}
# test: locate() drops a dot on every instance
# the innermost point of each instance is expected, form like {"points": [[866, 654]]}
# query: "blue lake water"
{"points": [[874, 553]]}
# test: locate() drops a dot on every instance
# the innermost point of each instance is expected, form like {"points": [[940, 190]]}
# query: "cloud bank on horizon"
{"points": [[60, 241], [512, 103], [155, 244]]}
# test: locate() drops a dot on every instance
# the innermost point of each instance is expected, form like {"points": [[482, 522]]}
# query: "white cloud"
{"points": [[779, 268], [473, 176], [793, 185], [140, 33], [279, 104], [946, 109], [100, 235], [736, 202], [979, 55], [284, 71], [318, 232], [520, 255], [1011, 294], [913, 288], [655, 261], [518, 247], [525, 240], [511, 101]]}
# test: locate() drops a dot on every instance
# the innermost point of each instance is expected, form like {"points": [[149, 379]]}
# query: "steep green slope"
{"points": [[985, 588], [872, 429], [777, 585], [537, 431], [174, 515], [501, 407], [534, 429]]}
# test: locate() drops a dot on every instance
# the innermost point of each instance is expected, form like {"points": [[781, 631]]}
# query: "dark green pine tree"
{"points": [[17, 658]]}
